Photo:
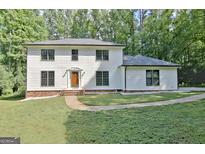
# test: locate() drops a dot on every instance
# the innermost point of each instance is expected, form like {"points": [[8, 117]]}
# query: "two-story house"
{"points": [[67, 65]]}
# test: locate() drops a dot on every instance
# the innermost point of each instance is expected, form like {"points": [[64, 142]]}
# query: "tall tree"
{"points": [[58, 22], [16, 28], [80, 25]]}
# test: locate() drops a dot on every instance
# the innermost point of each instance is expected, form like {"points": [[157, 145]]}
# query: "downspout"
{"points": [[125, 78], [177, 79], [26, 94]]}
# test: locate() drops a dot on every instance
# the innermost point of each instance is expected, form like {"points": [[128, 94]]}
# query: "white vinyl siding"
{"points": [[63, 61], [136, 78]]}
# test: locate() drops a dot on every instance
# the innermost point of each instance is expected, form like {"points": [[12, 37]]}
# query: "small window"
{"points": [[47, 54], [152, 78], [74, 55], [47, 78], [102, 55], [102, 78]]}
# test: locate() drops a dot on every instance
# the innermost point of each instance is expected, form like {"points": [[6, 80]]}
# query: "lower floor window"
{"points": [[152, 77], [47, 78], [102, 78]]}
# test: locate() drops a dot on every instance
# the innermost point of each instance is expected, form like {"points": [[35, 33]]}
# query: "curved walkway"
{"points": [[74, 103]]}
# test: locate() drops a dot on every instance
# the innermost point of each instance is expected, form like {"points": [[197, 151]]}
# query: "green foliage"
{"points": [[16, 28], [177, 36], [6, 81], [58, 23]]}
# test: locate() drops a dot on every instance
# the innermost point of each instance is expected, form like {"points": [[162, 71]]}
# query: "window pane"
{"points": [[43, 78], [74, 57], [51, 78], [155, 81], [148, 74], [148, 77], [98, 54], [105, 78], [43, 54], [51, 54], [98, 78], [156, 74], [74, 54], [105, 55], [149, 81]]}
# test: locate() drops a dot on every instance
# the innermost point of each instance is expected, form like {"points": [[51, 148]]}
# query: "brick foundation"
{"points": [[53, 93], [62, 92], [41, 93]]}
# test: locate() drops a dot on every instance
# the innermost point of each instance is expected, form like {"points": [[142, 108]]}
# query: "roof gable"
{"points": [[140, 60]]}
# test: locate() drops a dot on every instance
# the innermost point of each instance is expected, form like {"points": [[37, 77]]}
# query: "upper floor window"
{"points": [[152, 77], [47, 54], [75, 54], [102, 55], [47, 78]]}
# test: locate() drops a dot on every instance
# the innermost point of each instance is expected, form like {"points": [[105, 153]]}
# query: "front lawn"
{"points": [[35, 121], [51, 121], [179, 123], [110, 99]]}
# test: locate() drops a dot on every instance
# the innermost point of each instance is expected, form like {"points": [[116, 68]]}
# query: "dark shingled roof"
{"points": [[140, 60], [74, 42]]}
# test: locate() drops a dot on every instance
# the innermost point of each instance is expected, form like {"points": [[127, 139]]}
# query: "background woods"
{"points": [[172, 35]]}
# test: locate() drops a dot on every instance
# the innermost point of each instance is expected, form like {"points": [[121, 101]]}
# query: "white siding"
{"points": [[86, 61], [136, 78]]}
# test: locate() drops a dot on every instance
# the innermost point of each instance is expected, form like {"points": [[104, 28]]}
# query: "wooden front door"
{"points": [[74, 79]]}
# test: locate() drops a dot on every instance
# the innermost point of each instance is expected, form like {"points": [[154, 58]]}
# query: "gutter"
{"points": [[125, 78], [106, 45], [151, 65]]}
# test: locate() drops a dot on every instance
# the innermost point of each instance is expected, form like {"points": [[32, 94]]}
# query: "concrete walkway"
{"points": [[36, 98], [189, 89], [73, 103], [183, 89]]}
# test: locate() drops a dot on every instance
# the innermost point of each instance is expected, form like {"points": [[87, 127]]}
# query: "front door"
{"points": [[74, 79]]}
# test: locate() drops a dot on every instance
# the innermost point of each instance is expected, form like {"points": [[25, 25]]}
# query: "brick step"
{"points": [[71, 92]]}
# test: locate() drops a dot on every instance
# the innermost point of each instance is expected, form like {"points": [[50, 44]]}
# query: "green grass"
{"points": [[36, 121], [51, 121], [110, 99], [181, 123], [14, 97]]}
